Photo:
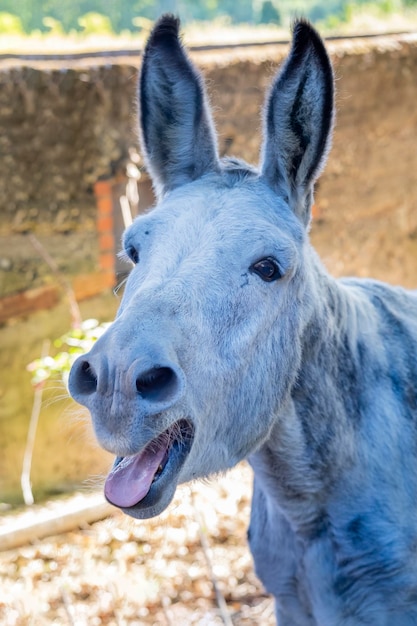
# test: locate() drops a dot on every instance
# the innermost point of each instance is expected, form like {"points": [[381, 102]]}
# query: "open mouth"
{"points": [[140, 481]]}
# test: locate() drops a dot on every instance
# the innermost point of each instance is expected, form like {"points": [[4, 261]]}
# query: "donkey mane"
{"points": [[237, 171], [233, 342]]}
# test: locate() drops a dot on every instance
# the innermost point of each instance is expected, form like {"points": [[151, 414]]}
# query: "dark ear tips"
{"points": [[302, 29], [306, 36], [165, 31]]}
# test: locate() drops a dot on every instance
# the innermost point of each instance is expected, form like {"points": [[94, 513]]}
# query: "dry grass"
{"points": [[122, 571]]}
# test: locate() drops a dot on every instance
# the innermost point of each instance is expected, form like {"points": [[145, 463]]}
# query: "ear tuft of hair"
{"points": [[306, 36], [165, 31]]}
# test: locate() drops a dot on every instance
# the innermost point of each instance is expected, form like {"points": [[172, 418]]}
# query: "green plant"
{"points": [[78, 340], [10, 24], [54, 26], [269, 13], [74, 343], [95, 24]]}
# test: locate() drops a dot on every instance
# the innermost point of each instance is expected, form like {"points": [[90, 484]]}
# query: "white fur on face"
{"points": [[196, 250]]}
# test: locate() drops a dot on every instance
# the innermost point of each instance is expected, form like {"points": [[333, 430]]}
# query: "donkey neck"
{"points": [[314, 433]]}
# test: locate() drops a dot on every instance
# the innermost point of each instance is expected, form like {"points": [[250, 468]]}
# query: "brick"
{"points": [[26, 302], [107, 261], [88, 285], [106, 242], [104, 205], [104, 224], [103, 188]]}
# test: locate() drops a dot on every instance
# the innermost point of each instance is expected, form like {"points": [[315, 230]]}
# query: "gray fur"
{"points": [[313, 380]]}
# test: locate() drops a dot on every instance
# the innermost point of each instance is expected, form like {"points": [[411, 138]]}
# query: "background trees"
{"points": [[32, 15]]}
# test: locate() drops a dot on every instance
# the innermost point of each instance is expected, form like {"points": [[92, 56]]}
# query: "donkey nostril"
{"points": [[157, 384], [87, 380]]}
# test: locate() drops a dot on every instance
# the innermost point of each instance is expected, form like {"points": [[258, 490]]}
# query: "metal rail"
{"points": [[129, 52]]}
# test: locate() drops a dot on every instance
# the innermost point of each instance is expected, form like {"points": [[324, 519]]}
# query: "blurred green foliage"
{"points": [[68, 347], [116, 16], [10, 24], [95, 23], [269, 13]]}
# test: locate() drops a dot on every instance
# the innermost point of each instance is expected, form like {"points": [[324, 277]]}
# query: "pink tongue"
{"points": [[129, 482]]}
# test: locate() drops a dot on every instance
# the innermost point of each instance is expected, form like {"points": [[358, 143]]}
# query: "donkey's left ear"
{"points": [[178, 138], [298, 120]]}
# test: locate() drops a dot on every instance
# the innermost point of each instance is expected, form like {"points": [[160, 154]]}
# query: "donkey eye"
{"points": [[267, 269], [133, 254]]}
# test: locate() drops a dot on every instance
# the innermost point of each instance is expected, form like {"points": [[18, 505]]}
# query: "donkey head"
{"points": [[201, 359]]}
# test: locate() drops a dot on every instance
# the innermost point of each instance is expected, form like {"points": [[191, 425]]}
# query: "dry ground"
{"points": [[162, 572]]}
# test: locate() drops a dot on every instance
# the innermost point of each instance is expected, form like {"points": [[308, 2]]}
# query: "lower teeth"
{"points": [[157, 473]]}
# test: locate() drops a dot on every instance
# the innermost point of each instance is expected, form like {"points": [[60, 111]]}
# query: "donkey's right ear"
{"points": [[178, 137]]}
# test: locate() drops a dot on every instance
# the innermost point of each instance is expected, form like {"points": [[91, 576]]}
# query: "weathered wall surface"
{"points": [[63, 129], [60, 130], [368, 194]]}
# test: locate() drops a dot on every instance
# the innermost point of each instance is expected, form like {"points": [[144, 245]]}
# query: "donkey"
{"points": [[232, 341]]}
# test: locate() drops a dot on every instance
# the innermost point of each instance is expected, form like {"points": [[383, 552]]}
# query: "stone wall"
{"points": [[60, 131]]}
